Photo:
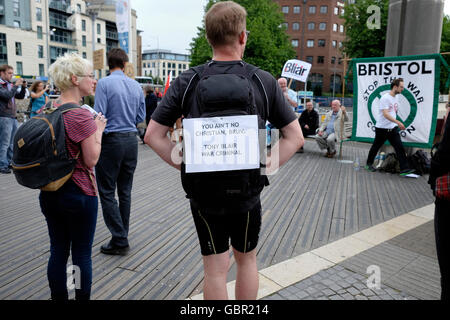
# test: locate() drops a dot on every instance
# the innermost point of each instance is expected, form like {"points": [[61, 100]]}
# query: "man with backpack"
{"points": [[387, 128], [8, 122], [225, 204]]}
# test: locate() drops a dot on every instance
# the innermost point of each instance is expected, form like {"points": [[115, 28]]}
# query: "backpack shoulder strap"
{"points": [[67, 107], [198, 71]]}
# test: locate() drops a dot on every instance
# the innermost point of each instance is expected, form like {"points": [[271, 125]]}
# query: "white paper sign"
{"points": [[296, 69], [221, 143]]}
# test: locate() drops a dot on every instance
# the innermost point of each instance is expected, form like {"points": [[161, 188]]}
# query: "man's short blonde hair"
{"points": [[224, 21], [64, 67]]}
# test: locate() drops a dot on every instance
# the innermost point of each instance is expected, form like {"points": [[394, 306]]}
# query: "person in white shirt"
{"points": [[387, 128], [289, 94]]}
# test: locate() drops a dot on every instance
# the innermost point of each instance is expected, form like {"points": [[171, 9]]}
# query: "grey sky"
{"points": [[173, 23]]}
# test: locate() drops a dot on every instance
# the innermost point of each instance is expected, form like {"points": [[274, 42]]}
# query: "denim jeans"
{"points": [[115, 167], [8, 128], [71, 219], [441, 229]]}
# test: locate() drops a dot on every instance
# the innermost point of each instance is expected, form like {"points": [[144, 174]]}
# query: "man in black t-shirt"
{"points": [[216, 224]]}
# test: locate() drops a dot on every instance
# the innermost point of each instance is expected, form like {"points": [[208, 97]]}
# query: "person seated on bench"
{"points": [[309, 121], [330, 131]]}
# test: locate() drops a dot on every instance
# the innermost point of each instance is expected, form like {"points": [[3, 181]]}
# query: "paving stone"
{"points": [[316, 278], [328, 282], [353, 291], [368, 292], [334, 278], [319, 286], [360, 286], [385, 297], [338, 268], [335, 287], [301, 295], [374, 298], [360, 297], [311, 290], [328, 292], [341, 292], [344, 284], [322, 298], [336, 297], [347, 296], [307, 282], [351, 280], [344, 274]]}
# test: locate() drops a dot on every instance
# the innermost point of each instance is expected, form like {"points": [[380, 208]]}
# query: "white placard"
{"points": [[221, 143], [296, 69]]}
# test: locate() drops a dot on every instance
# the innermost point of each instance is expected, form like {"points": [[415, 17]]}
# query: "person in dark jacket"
{"points": [[150, 103], [440, 165], [309, 121], [8, 121]]}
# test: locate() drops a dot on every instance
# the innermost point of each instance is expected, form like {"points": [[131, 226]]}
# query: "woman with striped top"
{"points": [[71, 211]]}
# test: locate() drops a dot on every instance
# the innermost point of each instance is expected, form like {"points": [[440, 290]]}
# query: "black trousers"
{"points": [[115, 168], [393, 136], [441, 230]]}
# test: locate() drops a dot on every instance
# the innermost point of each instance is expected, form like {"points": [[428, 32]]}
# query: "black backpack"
{"points": [[40, 158], [391, 164], [420, 162], [224, 94]]}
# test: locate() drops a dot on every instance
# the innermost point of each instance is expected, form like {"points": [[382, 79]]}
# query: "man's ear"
{"points": [[242, 37]]}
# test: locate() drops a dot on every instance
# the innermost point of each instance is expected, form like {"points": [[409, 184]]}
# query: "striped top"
{"points": [[80, 125]]}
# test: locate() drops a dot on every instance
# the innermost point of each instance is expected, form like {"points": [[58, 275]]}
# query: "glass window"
{"points": [[295, 26], [18, 48], [335, 27], [40, 51], [309, 59], [83, 41], [296, 9], [312, 9], [41, 70], [323, 9], [39, 32], [342, 11], [83, 25], [78, 8], [38, 14], [19, 68], [310, 43], [3, 49], [336, 10], [341, 28], [16, 8], [333, 60], [99, 40], [334, 43], [323, 26], [340, 44], [285, 9], [294, 43], [320, 59], [84, 55], [321, 43], [62, 36], [16, 24], [99, 30], [311, 26]]}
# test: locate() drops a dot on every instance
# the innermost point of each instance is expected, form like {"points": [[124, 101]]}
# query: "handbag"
{"points": [[443, 187]]}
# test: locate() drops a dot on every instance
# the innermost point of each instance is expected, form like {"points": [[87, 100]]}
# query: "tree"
{"points": [[445, 47], [268, 46], [362, 42]]}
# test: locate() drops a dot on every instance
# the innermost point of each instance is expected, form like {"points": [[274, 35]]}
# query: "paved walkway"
{"points": [[313, 202]]}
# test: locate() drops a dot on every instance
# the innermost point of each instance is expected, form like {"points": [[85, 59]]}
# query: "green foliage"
{"points": [[445, 47], [362, 42], [268, 46]]}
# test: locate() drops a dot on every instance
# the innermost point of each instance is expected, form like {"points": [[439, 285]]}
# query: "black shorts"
{"points": [[216, 226]]}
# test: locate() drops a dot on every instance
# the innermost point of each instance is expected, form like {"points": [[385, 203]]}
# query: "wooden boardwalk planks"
{"points": [[311, 201]]}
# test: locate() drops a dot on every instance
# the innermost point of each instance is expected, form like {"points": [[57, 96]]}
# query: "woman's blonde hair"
{"points": [[64, 67]]}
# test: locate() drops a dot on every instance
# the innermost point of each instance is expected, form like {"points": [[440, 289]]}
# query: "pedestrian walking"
{"points": [[71, 211], [226, 205], [122, 101], [388, 128]]}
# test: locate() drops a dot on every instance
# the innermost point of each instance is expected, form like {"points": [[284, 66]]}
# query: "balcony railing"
{"points": [[112, 35], [60, 5]]}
